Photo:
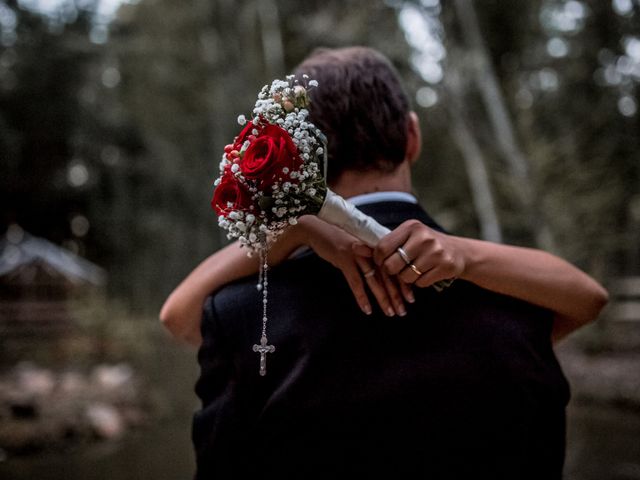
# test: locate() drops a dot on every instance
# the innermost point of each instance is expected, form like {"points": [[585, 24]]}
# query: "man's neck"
{"points": [[352, 183]]}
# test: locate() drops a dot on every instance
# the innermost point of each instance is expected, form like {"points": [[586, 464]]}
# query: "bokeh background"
{"points": [[113, 114]]}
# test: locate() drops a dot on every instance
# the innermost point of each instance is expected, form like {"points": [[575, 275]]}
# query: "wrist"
{"points": [[304, 230], [466, 256], [474, 253]]}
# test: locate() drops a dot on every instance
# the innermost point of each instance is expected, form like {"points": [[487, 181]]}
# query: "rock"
{"points": [[105, 420], [40, 408], [112, 377], [33, 381]]}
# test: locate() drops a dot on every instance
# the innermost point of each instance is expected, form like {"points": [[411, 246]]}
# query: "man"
{"points": [[465, 385]]}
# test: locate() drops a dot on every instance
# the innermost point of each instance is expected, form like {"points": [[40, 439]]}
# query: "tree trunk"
{"points": [[488, 85], [474, 162], [272, 46]]}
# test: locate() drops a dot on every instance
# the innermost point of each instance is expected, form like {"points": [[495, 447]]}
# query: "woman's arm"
{"points": [[182, 311], [527, 274]]}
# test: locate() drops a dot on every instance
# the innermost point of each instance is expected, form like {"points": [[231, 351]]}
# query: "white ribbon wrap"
{"points": [[337, 211]]}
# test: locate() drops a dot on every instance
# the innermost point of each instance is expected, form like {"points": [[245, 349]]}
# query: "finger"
{"points": [[406, 291], [394, 264], [408, 275], [376, 287], [422, 252], [432, 276], [354, 279], [393, 291], [415, 246], [388, 244], [362, 250]]}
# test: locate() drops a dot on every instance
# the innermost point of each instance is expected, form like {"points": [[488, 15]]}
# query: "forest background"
{"points": [[112, 121], [114, 114]]}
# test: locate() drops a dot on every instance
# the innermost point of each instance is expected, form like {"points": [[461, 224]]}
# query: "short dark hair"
{"points": [[361, 106]]}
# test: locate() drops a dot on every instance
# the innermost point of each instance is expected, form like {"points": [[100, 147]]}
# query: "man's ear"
{"points": [[414, 138]]}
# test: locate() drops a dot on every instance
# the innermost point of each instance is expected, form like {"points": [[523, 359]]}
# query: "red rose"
{"points": [[230, 191], [268, 154], [243, 136]]}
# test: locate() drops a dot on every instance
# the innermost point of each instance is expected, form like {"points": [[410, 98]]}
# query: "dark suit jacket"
{"points": [[465, 386]]}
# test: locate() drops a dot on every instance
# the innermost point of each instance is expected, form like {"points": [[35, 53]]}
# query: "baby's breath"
{"points": [[283, 103]]}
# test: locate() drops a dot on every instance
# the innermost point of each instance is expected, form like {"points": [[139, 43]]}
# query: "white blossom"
{"points": [[278, 104]]}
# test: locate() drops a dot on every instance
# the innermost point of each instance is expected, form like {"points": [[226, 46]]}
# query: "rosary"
{"points": [[263, 348]]}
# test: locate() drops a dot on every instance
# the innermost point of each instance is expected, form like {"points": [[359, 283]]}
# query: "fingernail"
{"points": [[411, 298], [402, 311], [390, 312], [367, 309]]}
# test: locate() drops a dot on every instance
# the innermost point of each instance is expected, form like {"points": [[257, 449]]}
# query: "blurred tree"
{"points": [[110, 133], [187, 71], [41, 71], [552, 61]]}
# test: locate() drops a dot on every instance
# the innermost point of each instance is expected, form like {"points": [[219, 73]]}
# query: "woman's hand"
{"points": [[531, 275], [337, 247], [431, 256]]}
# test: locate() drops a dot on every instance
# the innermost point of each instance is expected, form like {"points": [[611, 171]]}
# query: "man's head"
{"points": [[361, 107]]}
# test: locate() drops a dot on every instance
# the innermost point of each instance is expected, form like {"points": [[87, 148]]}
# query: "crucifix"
{"points": [[263, 349]]}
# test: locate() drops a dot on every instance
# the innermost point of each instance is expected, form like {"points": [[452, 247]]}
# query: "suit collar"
{"points": [[392, 214]]}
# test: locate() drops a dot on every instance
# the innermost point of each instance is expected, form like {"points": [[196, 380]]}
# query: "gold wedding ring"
{"points": [[403, 255], [415, 269]]}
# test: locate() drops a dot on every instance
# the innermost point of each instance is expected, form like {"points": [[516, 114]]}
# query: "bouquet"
{"points": [[273, 173]]}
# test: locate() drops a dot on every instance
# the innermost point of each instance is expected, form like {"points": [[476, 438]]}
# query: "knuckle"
{"points": [[449, 264], [388, 265], [426, 238], [412, 224]]}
